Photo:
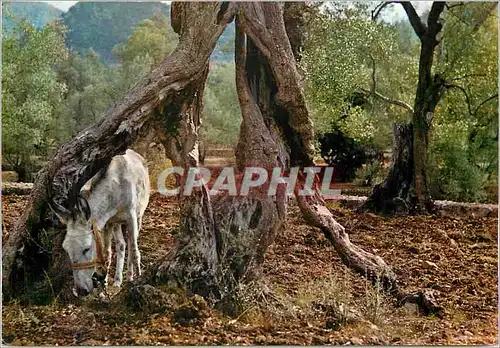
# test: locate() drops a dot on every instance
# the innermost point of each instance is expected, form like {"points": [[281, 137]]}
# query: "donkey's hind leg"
{"points": [[107, 237], [132, 240]]}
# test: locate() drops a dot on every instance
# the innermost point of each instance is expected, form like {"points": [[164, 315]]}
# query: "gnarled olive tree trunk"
{"points": [[263, 24]]}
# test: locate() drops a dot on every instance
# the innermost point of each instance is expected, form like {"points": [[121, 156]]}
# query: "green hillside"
{"points": [[37, 13], [102, 25]]}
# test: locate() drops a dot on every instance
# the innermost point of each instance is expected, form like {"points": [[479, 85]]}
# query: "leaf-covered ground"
{"points": [[311, 297]]}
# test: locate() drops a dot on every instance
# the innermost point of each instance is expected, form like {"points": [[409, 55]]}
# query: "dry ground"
{"points": [[311, 296]]}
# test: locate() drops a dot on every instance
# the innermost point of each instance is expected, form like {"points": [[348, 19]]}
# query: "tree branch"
{"points": [[433, 20], [376, 11], [467, 99], [415, 21], [388, 100], [484, 102]]}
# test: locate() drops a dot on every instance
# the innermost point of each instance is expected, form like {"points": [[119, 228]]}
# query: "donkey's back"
{"points": [[122, 187]]}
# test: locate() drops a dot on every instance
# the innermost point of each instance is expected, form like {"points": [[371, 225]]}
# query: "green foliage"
{"points": [[87, 80], [342, 48], [49, 95], [340, 54], [464, 144], [222, 118], [30, 93], [344, 153], [224, 49], [372, 173], [452, 175]]}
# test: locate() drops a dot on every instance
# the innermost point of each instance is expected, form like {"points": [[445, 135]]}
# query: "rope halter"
{"points": [[97, 261]]}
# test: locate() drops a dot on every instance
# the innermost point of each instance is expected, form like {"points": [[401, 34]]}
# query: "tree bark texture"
{"points": [[429, 91]]}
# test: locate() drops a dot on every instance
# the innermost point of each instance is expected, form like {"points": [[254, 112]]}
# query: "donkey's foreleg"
{"points": [[120, 254]]}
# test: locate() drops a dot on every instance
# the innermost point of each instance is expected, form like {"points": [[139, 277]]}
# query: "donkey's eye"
{"points": [[85, 251]]}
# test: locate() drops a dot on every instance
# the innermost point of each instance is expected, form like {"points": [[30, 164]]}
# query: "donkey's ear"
{"points": [[83, 206], [62, 213]]}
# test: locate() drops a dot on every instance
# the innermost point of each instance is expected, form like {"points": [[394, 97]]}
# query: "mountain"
{"points": [[101, 25], [37, 13]]}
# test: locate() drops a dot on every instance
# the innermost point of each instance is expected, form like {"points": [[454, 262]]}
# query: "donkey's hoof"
{"points": [[117, 283]]}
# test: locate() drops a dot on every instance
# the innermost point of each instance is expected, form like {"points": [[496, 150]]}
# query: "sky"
{"points": [[395, 12], [62, 5]]}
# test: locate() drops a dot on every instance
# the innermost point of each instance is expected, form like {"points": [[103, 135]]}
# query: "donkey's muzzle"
{"points": [[98, 279], [82, 291]]}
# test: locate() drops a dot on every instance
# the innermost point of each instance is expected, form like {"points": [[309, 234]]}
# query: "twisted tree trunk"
{"points": [[223, 239], [294, 124]]}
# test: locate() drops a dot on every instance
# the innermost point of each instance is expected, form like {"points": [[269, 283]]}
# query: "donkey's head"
{"points": [[82, 243]]}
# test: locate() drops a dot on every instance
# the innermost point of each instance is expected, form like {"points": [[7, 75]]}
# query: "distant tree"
{"points": [[350, 64], [89, 90], [408, 183], [30, 93], [222, 120], [153, 38]]}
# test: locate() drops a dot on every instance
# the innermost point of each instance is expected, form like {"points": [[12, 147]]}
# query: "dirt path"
{"points": [[311, 292]]}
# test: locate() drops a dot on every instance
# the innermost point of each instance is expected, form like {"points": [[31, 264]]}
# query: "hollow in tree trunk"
{"points": [[392, 195]]}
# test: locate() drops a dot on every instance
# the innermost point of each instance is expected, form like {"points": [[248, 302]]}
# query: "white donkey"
{"points": [[114, 198]]}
